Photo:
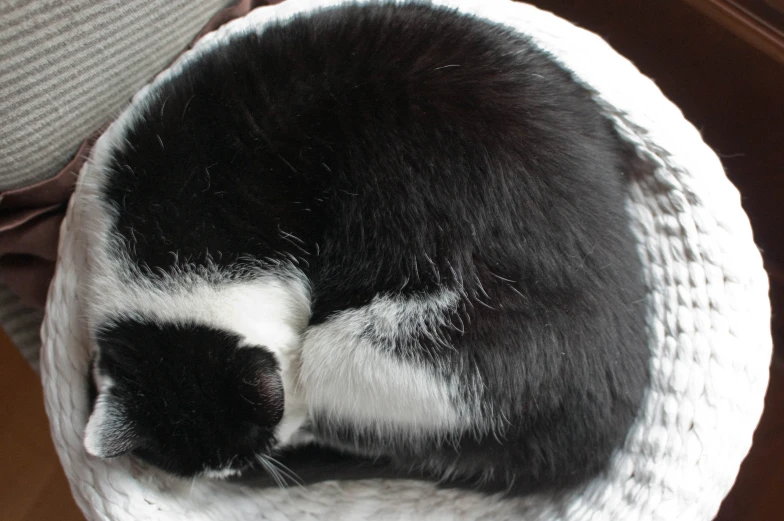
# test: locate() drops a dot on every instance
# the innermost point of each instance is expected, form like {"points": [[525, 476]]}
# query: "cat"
{"points": [[393, 231]]}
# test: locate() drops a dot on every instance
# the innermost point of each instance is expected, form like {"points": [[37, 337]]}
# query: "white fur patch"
{"points": [[95, 433], [220, 474], [269, 307], [105, 422], [348, 375], [343, 372], [270, 311], [107, 433]]}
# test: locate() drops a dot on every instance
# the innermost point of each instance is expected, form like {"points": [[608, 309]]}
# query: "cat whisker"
{"points": [[273, 473], [285, 471]]}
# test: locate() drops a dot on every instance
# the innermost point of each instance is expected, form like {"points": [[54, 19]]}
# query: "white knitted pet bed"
{"points": [[709, 336]]}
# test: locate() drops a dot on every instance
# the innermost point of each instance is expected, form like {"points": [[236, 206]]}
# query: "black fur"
{"points": [[400, 150], [191, 396]]}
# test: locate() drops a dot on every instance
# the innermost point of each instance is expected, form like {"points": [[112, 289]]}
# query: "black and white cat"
{"points": [[395, 231]]}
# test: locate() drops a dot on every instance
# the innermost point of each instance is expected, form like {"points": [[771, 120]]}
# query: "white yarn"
{"points": [[710, 337]]}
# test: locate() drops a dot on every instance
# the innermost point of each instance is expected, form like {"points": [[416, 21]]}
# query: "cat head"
{"points": [[187, 398]]}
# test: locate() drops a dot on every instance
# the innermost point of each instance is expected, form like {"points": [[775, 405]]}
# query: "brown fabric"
{"points": [[30, 220], [30, 217]]}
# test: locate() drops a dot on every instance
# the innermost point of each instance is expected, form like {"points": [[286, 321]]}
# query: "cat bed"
{"points": [[709, 335]]}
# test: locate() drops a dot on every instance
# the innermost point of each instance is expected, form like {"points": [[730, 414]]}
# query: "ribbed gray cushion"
{"points": [[67, 67]]}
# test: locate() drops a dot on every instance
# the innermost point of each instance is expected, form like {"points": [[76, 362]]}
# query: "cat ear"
{"points": [[109, 434]]}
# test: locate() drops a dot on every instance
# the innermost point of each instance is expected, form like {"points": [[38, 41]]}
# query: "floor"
{"points": [[732, 92], [32, 484]]}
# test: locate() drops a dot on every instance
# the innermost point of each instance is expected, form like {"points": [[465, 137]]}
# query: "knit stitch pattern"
{"points": [[709, 335]]}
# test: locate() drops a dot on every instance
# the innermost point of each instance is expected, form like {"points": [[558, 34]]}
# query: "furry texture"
{"points": [[455, 203], [222, 392]]}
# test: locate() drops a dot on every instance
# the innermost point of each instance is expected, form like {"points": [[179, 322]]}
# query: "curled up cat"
{"points": [[393, 232]]}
